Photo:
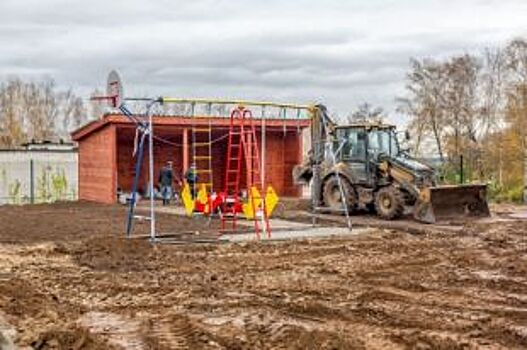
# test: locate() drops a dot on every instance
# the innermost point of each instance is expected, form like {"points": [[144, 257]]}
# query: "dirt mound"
{"points": [[20, 298], [113, 254]]}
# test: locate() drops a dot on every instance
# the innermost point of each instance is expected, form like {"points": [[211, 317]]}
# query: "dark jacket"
{"points": [[166, 176], [191, 175]]}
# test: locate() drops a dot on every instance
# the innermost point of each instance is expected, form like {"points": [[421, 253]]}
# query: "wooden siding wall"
{"points": [[97, 166], [283, 152]]}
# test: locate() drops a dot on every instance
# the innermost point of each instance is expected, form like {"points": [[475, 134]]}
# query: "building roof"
{"points": [[43, 146], [48, 145], [162, 120]]}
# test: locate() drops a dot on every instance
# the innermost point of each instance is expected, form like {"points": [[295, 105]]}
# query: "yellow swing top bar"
{"points": [[234, 102]]}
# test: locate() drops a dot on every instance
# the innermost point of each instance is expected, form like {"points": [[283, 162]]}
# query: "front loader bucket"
{"points": [[451, 202]]}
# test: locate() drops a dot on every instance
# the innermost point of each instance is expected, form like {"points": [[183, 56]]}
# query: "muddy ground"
{"points": [[68, 280]]}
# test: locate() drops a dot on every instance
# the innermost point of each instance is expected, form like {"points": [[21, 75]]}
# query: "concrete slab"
{"points": [[282, 229], [276, 224], [311, 232]]}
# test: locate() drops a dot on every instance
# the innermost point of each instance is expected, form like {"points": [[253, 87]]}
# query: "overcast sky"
{"points": [[339, 52]]}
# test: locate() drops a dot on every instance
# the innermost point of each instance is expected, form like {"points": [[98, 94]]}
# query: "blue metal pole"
{"points": [[138, 163], [145, 128]]}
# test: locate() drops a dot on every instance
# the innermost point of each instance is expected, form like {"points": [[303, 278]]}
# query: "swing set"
{"points": [[253, 198]]}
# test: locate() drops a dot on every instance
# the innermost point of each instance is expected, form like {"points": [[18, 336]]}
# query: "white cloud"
{"points": [[339, 52]]}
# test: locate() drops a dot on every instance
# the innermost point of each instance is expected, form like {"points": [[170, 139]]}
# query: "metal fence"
{"points": [[28, 177]]}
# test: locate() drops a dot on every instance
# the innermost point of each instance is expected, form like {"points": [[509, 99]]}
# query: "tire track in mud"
{"points": [[175, 332], [119, 331]]}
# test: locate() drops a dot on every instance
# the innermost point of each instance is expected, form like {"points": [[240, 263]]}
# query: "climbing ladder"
{"points": [[202, 155], [242, 143]]}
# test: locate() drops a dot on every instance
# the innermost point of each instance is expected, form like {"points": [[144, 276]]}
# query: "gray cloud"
{"points": [[340, 52]]}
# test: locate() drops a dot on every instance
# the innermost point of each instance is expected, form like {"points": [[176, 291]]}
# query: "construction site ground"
{"points": [[70, 280]]}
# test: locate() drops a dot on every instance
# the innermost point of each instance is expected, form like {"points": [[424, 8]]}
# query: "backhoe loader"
{"points": [[371, 170]]}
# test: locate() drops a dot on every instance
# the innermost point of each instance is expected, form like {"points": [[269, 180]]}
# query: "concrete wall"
{"points": [[37, 176], [97, 166]]}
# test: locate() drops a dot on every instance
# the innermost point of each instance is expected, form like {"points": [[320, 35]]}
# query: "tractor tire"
{"points": [[389, 203], [331, 194]]}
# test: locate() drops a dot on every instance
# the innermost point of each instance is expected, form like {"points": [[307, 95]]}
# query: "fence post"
{"points": [[31, 181], [461, 170]]}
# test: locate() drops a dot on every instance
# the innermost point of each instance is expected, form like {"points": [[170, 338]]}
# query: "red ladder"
{"points": [[242, 142]]}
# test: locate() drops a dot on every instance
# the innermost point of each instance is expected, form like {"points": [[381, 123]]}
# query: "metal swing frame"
{"points": [[145, 129]]}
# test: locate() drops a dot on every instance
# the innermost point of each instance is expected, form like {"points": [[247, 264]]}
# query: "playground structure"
{"points": [[245, 190]]}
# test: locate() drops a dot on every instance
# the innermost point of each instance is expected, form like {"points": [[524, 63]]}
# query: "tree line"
{"points": [[474, 105], [37, 111]]}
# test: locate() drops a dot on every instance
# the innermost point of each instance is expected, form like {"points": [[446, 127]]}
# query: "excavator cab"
{"points": [[350, 147]]}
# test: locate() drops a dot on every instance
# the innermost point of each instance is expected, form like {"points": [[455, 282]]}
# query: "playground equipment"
{"points": [[243, 153], [228, 204], [244, 144]]}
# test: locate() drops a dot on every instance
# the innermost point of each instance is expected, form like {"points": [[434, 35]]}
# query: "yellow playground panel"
{"points": [[255, 201]]}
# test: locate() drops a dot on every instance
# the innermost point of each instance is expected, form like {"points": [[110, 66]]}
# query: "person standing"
{"points": [[166, 179], [191, 176]]}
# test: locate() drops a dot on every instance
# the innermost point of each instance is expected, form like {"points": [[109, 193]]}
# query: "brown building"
{"points": [[106, 152]]}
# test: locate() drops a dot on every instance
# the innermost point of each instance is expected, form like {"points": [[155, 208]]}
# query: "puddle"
{"points": [[120, 331], [519, 215]]}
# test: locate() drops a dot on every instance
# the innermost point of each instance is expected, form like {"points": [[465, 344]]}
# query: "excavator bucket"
{"points": [[451, 202]]}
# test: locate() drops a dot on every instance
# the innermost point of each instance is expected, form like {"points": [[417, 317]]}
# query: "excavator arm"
{"points": [[321, 126]]}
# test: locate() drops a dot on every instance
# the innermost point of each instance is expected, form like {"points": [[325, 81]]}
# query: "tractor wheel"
{"points": [[389, 203], [331, 194]]}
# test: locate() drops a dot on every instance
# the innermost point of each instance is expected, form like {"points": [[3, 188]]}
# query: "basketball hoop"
{"points": [[114, 90]]}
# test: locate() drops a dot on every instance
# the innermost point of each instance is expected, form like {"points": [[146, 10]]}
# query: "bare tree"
{"points": [[492, 89], [461, 75], [365, 112], [39, 109], [11, 122], [516, 53], [516, 56], [36, 110], [442, 100], [492, 103], [72, 112], [426, 84]]}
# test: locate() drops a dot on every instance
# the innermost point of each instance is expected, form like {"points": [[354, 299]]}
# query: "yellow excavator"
{"points": [[364, 163]]}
